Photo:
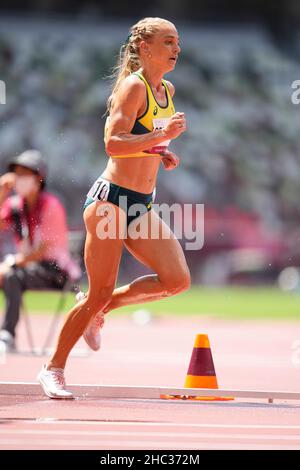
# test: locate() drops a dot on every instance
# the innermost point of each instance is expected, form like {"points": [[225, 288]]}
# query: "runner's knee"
{"points": [[97, 299], [178, 282]]}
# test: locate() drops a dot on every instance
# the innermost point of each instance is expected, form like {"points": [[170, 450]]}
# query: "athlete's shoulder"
{"points": [[171, 87], [129, 97], [133, 84]]}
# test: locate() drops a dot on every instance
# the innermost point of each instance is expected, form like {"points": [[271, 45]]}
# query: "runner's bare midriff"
{"points": [[138, 173]]}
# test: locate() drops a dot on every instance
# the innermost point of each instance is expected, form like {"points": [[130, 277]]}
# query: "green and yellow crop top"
{"points": [[155, 117]]}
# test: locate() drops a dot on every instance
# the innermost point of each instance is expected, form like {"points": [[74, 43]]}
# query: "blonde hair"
{"points": [[129, 57]]}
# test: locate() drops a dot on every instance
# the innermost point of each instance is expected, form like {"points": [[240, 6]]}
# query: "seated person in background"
{"points": [[38, 221]]}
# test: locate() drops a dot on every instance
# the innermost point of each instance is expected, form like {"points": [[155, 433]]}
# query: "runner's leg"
{"points": [[165, 257], [102, 259]]}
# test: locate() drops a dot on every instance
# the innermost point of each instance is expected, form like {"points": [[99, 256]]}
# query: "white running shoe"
{"points": [[53, 383], [7, 341], [92, 334]]}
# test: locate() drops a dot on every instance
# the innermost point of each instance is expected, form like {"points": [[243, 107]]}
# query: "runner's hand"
{"points": [[175, 126], [169, 160]]}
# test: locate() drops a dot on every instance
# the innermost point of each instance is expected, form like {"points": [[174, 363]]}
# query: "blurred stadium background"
{"points": [[240, 156]]}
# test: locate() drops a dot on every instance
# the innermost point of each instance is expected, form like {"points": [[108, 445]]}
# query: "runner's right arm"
{"points": [[128, 102]]}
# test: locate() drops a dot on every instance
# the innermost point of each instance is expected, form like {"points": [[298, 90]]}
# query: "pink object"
{"points": [[157, 149], [46, 222], [92, 334]]}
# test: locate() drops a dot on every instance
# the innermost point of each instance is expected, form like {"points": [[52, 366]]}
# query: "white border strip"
{"points": [[137, 392]]}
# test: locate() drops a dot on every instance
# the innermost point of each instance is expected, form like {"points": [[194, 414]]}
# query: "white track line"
{"points": [[160, 424], [140, 434], [140, 392], [134, 445]]}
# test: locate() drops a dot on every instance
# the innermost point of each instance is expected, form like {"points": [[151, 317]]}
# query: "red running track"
{"points": [[247, 355]]}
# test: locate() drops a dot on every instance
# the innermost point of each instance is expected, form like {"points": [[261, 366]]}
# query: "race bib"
{"points": [[100, 190], [161, 123]]}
